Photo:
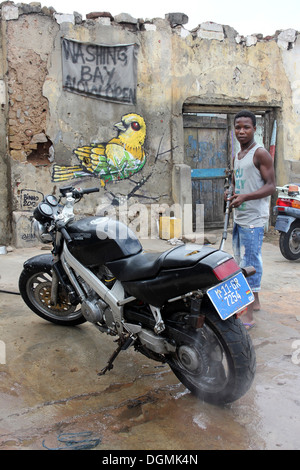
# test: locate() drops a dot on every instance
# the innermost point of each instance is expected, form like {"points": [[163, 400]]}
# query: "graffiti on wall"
{"points": [[105, 72], [29, 199], [116, 160]]}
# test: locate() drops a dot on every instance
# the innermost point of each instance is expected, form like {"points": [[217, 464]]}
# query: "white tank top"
{"points": [[253, 213]]}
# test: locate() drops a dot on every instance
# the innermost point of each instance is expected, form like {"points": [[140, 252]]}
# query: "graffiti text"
{"points": [[106, 72]]}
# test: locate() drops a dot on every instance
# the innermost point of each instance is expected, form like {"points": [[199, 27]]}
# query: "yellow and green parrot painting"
{"points": [[115, 160]]}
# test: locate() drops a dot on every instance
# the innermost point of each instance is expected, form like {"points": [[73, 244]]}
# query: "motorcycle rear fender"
{"points": [[44, 262], [283, 223]]}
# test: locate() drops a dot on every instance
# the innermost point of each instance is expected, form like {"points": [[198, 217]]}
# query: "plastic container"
{"points": [[169, 227]]}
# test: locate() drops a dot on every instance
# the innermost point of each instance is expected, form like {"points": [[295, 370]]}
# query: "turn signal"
{"points": [[295, 204]]}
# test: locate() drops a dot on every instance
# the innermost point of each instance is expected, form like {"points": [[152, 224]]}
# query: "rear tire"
{"points": [[288, 243], [35, 288], [217, 363]]}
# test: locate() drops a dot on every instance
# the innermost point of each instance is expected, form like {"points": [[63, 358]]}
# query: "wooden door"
{"points": [[206, 152]]}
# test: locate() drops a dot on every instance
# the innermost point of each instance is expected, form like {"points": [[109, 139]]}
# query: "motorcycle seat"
{"points": [[147, 265]]}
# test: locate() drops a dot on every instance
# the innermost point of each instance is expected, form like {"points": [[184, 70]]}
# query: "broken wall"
{"points": [[43, 123]]}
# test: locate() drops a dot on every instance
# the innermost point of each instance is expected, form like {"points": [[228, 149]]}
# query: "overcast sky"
{"points": [[247, 17]]}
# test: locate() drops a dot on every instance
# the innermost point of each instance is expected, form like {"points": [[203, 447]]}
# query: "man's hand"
{"points": [[237, 200]]}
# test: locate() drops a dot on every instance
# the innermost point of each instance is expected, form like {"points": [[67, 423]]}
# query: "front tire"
{"points": [[216, 362], [35, 288], [289, 242]]}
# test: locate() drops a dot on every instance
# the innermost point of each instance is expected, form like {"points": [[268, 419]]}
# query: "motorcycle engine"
{"points": [[93, 310]]}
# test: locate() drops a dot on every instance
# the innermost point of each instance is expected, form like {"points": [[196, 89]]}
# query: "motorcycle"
{"points": [[287, 210], [178, 307]]}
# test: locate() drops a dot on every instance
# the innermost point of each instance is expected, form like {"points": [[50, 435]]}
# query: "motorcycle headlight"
{"points": [[41, 232]]}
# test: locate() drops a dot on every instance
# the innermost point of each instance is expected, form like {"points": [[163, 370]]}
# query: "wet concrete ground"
{"points": [[49, 383]]}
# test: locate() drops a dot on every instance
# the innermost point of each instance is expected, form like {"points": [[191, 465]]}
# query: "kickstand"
{"points": [[122, 346]]}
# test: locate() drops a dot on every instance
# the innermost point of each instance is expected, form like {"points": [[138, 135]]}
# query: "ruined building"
{"points": [[65, 83]]}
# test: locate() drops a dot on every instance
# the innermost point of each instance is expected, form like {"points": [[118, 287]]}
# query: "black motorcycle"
{"points": [[178, 307]]}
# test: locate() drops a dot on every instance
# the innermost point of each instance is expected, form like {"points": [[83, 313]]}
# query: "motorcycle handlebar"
{"points": [[80, 192], [89, 190], [77, 192], [65, 235]]}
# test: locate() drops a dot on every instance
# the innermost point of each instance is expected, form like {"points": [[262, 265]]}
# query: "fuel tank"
{"points": [[97, 240]]}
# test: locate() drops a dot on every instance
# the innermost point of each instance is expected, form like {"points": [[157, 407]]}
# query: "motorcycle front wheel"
{"points": [[216, 362], [289, 242], [35, 288]]}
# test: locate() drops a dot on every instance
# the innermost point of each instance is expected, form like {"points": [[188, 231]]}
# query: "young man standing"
{"points": [[254, 182]]}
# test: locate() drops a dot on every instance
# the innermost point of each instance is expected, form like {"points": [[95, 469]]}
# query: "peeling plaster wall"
{"points": [[211, 65], [5, 227], [291, 142]]}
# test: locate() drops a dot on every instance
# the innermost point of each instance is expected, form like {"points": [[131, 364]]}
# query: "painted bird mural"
{"points": [[115, 160]]}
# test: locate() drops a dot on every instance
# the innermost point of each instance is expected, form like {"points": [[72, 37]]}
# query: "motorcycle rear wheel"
{"points": [[289, 243], [35, 289], [217, 362]]}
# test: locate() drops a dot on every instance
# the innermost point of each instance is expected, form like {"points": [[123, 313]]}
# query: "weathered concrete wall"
{"points": [[212, 65], [5, 228]]}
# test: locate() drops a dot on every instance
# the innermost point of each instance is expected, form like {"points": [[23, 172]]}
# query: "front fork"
{"points": [[54, 288], [59, 275], [55, 277]]}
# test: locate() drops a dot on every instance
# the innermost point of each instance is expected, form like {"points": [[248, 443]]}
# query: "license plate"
{"points": [[230, 296]]}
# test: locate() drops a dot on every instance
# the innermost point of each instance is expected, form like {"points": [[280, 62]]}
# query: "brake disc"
{"points": [[42, 294]]}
